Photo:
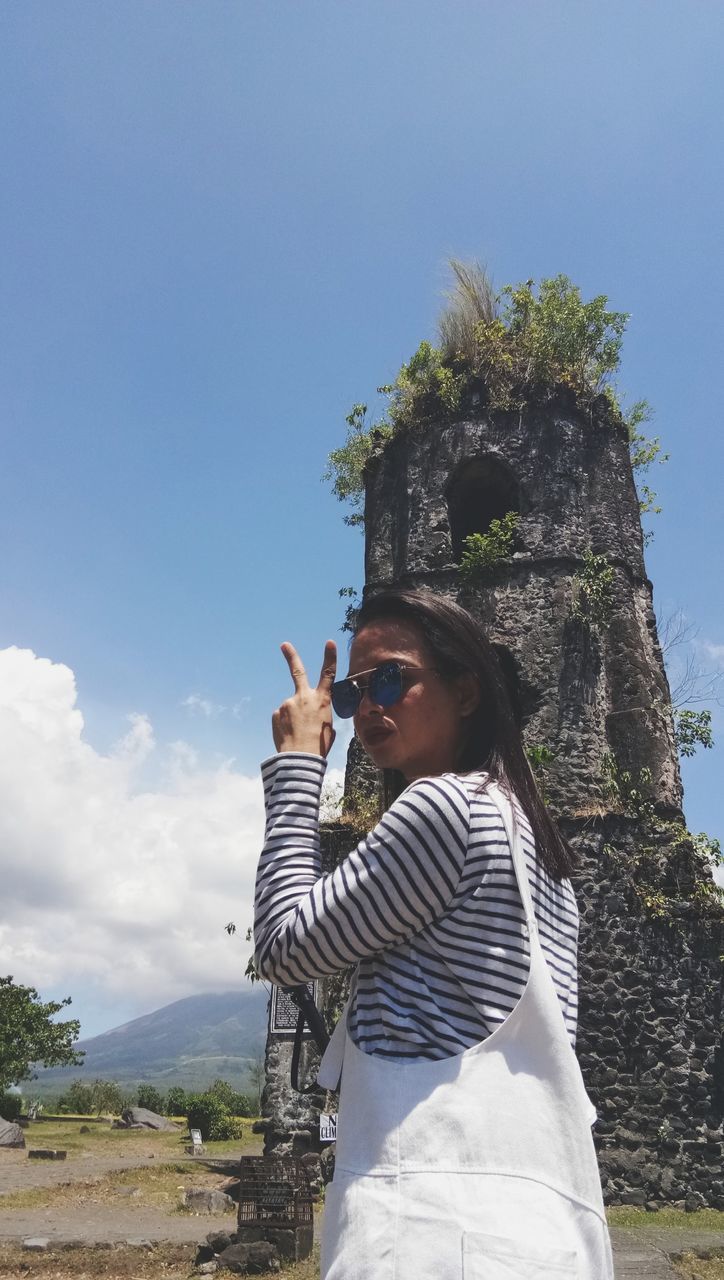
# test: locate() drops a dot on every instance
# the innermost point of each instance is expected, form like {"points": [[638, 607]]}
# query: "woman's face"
{"points": [[423, 732]]}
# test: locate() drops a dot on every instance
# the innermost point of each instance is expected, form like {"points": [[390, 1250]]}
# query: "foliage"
{"points": [[347, 464], [251, 972], [672, 868], [352, 609], [11, 1105], [237, 1104], [94, 1098], [28, 1034], [149, 1097], [515, 348], [361, 808], [470, 302], [692, 729], [540, 759], [175, 1102], [593, 591], [629, 792], [206, 1112], [483, 551]]}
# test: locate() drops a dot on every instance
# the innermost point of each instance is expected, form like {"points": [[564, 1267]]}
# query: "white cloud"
{"points": [[107, 883], [715, 652], [204, 707]]}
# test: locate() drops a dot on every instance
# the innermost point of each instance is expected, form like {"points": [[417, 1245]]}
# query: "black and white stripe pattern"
{"points": [[427, 906]]}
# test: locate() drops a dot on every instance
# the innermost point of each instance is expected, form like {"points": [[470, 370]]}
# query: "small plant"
{"points": [[593, 591], [628, 791], [664, 1131], [540, 758], [692, 729], [361, 809], [482, 552], [352, 609]]}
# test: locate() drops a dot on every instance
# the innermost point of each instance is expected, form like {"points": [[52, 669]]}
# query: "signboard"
{"points": [[196, 1137], [328, 1127], [275, 1197], [284, 1013]]}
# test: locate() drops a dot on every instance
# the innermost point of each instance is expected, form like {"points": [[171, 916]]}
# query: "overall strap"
{"points": [[308, 1014], [512, 831]]}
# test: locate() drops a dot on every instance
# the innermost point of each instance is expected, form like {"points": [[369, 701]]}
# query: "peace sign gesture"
{"points": [[304, 721]]}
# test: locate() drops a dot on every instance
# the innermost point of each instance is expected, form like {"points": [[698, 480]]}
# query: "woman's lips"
{"points": [[373, 737]]}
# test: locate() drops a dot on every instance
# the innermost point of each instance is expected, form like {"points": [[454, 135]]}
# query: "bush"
{"points": [[11, 1105], [206, 1112]]}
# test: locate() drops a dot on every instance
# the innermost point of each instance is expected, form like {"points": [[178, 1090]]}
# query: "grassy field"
{"points": [[103, 1140]]}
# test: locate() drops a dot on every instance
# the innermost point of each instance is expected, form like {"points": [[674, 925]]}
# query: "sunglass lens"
{"points": [[386, 684], [345, 698]]}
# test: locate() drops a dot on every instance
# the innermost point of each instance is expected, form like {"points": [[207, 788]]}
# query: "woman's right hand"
{"points": [[304, 721]]}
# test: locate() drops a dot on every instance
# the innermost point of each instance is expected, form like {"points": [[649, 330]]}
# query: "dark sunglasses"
{"points": [[384, 687]]}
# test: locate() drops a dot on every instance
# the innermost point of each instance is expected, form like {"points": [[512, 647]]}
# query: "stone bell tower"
{"points": [[578, 643]]}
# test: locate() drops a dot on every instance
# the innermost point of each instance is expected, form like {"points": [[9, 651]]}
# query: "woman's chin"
{"points": [[382, 754]]}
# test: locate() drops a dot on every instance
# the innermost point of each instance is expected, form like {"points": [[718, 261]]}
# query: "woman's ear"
{"points": [[468, 691]]}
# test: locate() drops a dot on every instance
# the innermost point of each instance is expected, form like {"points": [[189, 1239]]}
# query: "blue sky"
{"points": [[222, 224]]}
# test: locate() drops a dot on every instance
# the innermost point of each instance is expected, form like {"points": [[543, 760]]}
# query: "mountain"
{"points": [[191, 1043]]}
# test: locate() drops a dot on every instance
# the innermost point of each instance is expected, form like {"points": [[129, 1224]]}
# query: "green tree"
{"points": [[176, 1101], [106, 1097], [149, 1097], [29, 1036], [77, 1099], [692, 729]]}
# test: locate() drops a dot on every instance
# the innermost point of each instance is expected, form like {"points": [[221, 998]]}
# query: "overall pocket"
{"points": [[497, 1258]]}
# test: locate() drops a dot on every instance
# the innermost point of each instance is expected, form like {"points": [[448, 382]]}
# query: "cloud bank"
{"points": [[107, 883]]}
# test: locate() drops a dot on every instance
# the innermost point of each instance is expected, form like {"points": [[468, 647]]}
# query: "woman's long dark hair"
{"points": [[493, 744]]}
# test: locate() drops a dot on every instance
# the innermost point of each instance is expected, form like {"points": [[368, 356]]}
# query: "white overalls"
{"points": [[479, 1166]]}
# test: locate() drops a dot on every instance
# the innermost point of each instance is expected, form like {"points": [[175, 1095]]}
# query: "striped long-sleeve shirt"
{"points": [[427, 906]]}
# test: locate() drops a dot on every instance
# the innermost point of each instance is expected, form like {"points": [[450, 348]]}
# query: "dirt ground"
{"points": [[111, 1209]]}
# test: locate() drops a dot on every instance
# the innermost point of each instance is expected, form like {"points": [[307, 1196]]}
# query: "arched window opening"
{"points": [[483, 489]]}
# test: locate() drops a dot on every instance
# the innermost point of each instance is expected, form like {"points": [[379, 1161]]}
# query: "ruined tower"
{"points": [[577, 639]]}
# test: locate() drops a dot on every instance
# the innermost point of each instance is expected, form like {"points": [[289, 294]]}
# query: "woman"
{"points": [[464, 1149]]}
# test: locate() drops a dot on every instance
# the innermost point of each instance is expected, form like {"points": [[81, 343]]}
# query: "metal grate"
{"points": [[274, 1191]]}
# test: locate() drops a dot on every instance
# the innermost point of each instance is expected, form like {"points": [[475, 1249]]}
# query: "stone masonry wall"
{"points": [[650, 1039]]}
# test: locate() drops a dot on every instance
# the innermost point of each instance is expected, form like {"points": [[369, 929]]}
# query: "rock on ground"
{"points": [[203, 1200], [11, 1135]]}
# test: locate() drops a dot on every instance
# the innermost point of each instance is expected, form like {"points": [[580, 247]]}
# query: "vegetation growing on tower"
{"points": [[503, 351]]}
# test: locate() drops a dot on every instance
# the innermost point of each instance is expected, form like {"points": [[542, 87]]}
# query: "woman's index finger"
{"points": [[329, 666], [296, 666]]}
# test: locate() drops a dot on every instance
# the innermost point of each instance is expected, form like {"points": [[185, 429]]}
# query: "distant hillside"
{"points": [[190, 1043]]}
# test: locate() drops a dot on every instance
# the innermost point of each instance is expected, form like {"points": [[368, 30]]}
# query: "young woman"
{"points": [[464, 1147]]}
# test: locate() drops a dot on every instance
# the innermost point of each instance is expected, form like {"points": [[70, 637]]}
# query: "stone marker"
{"points": [[46, 1153], [36, 1243]]}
